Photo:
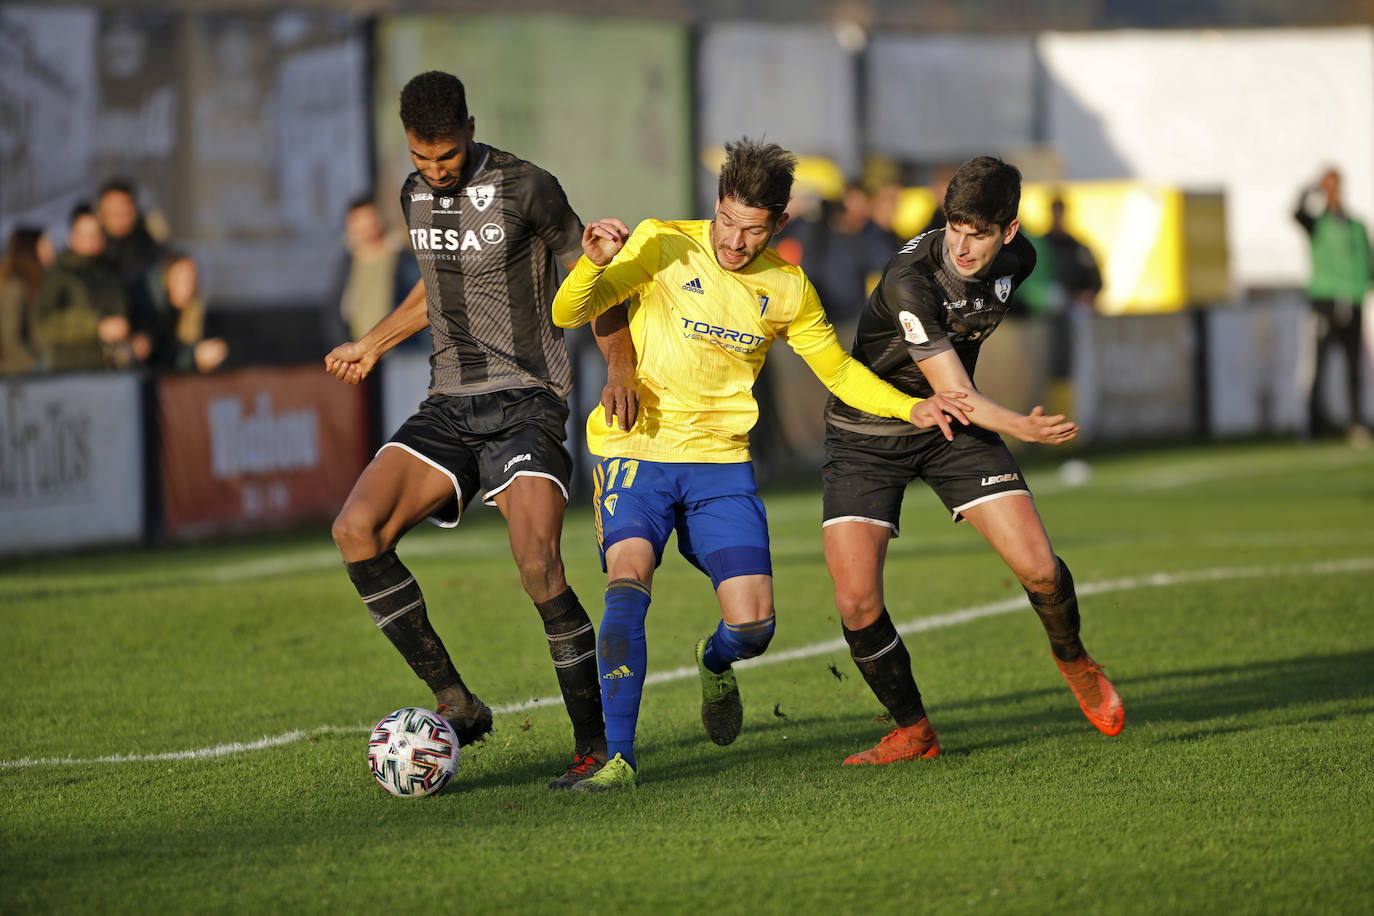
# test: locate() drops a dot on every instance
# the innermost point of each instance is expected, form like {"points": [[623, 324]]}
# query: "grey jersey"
{"points": [[489, 252], [921, 307]]}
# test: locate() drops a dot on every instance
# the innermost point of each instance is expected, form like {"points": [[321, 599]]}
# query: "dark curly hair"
{"points": [[757, 174], [434, 106], [983, 193]]}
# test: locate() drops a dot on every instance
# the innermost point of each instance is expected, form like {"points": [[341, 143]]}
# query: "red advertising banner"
{"points": [[257, 449]]}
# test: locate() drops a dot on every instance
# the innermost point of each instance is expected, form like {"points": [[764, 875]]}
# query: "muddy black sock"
{"points": [[393, 599], [1058, 612], [882, 659], [572, 644]]}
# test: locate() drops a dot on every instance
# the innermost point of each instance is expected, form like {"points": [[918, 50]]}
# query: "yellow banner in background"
{"points": [[1160, 248]]}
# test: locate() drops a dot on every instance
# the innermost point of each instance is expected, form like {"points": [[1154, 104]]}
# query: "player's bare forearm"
{"points": [[946, 374], [1037, 426], [619, 398], [353, 361]]}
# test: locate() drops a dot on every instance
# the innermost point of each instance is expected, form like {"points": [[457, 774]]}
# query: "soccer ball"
{"points": [[413, 752]]}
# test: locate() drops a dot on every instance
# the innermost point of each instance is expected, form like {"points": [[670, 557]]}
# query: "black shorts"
{"points": [[865, 476], [489, 439]]}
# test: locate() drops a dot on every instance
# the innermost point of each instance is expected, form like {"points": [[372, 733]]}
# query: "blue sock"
{"points": [[621, 656], [732, 642]]}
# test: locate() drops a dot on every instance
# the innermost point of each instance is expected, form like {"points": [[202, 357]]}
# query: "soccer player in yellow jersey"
{"points": [[707, 298]]}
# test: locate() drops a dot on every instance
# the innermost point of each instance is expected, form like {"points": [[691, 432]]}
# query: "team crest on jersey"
{"points": [[911, 328], [609, 502], [763, 302], [481, 196], [1002, 287]]}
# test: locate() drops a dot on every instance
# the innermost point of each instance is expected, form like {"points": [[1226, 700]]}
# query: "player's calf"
{"points": [[1058, 613], [572, 645]]}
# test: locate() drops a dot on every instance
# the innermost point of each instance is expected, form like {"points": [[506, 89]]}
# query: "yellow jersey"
{"points": [[700, 334]]}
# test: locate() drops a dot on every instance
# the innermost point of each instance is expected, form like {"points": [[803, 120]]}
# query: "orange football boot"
{"points": [[901, 744], [1096, 695]]}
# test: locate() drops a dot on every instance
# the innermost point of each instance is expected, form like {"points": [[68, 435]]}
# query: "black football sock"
{"points": [[393, 599], [1058, 613], [883, 660], [572, 643]]}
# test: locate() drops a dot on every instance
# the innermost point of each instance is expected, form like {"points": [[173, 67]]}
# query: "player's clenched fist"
{"points": [[350, 362], [603, 238]]}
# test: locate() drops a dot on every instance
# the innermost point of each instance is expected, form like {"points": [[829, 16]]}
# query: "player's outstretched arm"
{"points": [[946, 374], [353, 361], [855, 384]]}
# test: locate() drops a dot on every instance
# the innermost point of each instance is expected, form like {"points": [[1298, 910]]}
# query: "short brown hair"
{"points": [[983, 193], [757, 174]]}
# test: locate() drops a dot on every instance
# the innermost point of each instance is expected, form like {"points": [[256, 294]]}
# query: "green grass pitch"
{"points": [[185, 730]]}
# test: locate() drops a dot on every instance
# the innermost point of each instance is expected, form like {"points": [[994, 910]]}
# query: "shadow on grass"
{"points": [[1210, 698], [1191, 704]]}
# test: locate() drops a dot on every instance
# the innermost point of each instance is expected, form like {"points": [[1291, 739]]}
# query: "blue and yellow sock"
{"points": [[732, 642], [622, 656]]}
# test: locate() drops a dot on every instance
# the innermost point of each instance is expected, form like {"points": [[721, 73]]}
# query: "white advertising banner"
{"points": [[71, 462], [1259, 367], [1135, 376], [1255, 114]]}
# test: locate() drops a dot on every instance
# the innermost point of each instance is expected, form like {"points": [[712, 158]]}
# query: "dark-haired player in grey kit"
{"points": [[939, 298], [489, 231]]}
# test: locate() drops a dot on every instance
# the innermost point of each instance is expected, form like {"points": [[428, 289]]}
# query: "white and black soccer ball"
{"points": [[413, 752]]}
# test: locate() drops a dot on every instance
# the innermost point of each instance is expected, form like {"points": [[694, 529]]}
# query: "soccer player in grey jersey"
{"points": [[489, 231], [938, 300]]}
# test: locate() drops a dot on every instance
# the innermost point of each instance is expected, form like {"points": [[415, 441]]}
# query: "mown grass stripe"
{"points": [[920, 625]]}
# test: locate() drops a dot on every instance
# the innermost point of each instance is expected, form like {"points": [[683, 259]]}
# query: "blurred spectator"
{"points": [[168, 318], [884, 207], [129, 246], [1340, 278], [847, 257], [380, 270], [82, 313], [804, 215], [1074, 271], [1071, 281], [27, 255]]}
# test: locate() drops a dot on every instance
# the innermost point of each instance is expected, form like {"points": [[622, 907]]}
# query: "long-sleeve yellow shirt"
{"points": [[700, 334]]}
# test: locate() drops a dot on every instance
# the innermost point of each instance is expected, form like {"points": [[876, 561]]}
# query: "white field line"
{"points": [[919, 625]]}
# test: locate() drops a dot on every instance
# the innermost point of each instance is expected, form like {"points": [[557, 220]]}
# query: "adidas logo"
{"points": [[694, 286], [622, 671]]}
